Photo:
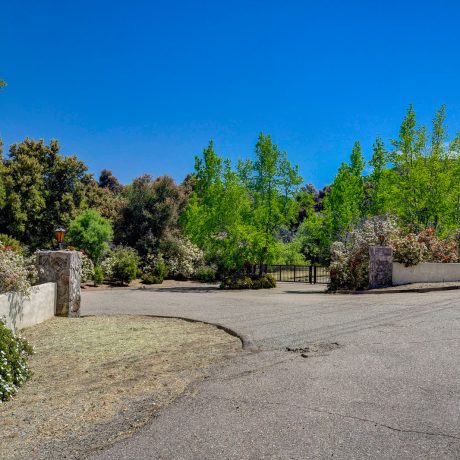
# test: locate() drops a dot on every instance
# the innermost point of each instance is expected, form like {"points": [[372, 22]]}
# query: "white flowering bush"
{"points": [[17, 273], [349, 266], [87, 268], [182, 258], [121, 265], [14, 353]]}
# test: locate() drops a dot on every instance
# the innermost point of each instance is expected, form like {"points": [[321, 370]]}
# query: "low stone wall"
{"points": [[21, 312], [425, 273]]}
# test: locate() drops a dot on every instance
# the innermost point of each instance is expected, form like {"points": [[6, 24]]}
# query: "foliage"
{"points": [[121, 265], [150, 214], [413, 249], [17, 273], [290, 253], [9, 242], [91, 232], [87, 268], [14, 370], [246, 282], [98, 276], [154, 270], [182, 257], [206, 274], [43, 189], [409, 250], [105, 201], [237, 216], [349, 268]]}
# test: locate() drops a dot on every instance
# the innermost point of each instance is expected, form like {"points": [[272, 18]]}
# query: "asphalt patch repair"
{"points": [[317, 349]]}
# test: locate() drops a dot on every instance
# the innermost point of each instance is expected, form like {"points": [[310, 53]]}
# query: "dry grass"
{"points": [[97, 379]]}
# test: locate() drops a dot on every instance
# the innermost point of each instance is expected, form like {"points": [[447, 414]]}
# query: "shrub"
{"points": [[245, 282], [17, 273], [349, 268], [14, 370], [409, 250], [438, 250], [121, 265], [205, 274], [151, 279], [154, 270], [91, 232], [87, 268], [98, 276], [264, 282], [10, 243], [182, 257]]}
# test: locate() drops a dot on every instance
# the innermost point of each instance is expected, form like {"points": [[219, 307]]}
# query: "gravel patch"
{"points": [[98, 379]]}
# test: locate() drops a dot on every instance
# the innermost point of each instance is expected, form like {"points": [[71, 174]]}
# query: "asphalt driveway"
{"points": [[367, 376]]}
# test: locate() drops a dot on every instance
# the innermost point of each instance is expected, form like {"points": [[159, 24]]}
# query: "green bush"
{"points": [[264, 282], [151, 279], [122, 265], [155, 270], [205, 274], [245, 282], [10, 243], [98, 275], [91, 232], [14, 370]]}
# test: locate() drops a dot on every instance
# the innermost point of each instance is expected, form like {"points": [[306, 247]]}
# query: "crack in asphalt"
{"points": [[337, 414]]}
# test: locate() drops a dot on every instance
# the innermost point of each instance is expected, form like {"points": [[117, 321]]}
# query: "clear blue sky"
{"points": [[141, 86]]}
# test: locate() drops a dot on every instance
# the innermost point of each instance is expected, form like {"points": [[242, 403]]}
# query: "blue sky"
{"points": [[141, 86]]}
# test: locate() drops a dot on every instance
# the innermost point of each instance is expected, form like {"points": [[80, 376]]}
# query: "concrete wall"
{"points": [[21, 312], [425, 273]]}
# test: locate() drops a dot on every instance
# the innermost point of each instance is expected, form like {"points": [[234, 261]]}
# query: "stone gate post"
{"points": [[380, 266], [64, 269]]}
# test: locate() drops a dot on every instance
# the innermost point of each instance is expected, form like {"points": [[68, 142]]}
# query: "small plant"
{"points": [[87, 268], [122, 265], [98, 276], [14, 353], [245, 282], [11, 243], [155, 270], [17, 273], [205, 274], [91, 232], [409, 250]]}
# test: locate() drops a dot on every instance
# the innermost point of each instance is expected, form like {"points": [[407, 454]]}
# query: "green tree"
{"points": [[272, 184], [379, 183], [43, 189], [217, 217], [344, 202], [91, 232], [150, 215]]}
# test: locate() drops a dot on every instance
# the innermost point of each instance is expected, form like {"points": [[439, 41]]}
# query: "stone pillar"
{"points": [[380, 266], [64, 269]]}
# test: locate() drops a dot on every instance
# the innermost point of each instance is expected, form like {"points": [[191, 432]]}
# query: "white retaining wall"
{"points": [[21, 312], [425, 273]]}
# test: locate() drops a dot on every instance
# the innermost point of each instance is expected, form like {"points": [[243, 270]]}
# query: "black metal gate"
{"points": [[311, 274]]}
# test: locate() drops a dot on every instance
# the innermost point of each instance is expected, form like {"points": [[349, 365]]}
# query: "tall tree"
{"points": [[43, 189], [150, 214], [344, 202], [272, 183]]}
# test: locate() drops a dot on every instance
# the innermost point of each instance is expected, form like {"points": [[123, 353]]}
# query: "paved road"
{"points": [[390, 389]]}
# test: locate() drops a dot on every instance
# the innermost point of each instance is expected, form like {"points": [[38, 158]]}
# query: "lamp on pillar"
{"points": [[59, 234], [381, 239]]}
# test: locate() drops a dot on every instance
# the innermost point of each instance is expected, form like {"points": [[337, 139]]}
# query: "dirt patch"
{"points": [[98, 379], [318, 349]]}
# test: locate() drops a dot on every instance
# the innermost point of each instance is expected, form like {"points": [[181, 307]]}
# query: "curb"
{"points": [[397, 291], [246, 342]]}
